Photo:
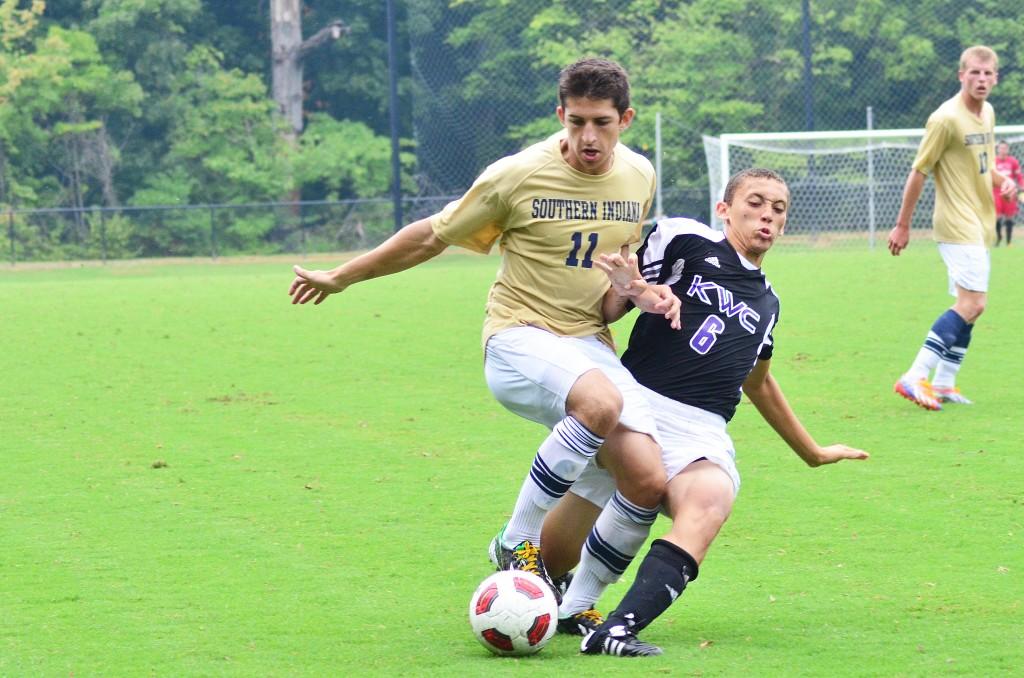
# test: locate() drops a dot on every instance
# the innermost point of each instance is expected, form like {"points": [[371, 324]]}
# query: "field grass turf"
{"points": [[202, 480]]}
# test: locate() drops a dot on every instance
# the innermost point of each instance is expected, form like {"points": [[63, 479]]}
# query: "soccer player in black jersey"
{"points": [[692, 379]]}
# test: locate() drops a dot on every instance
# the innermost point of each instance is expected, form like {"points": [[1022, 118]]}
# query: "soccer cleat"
{"points": [[617, 641], [496, 553], [562, 583], [581, 623], [919, 392], [526, 557], [951, 394]]}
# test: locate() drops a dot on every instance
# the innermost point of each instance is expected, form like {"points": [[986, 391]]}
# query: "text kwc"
{"points": [[726, 302]]}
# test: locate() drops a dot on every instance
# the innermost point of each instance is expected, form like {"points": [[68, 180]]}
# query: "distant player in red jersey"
{"points": [[1006, 206]]}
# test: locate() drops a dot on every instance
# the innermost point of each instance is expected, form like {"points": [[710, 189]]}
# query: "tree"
{"points": [[289, 50]]}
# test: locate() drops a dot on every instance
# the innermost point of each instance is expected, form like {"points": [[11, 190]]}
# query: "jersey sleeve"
{"points": [[767, 347], [475, 220], [650, 199], [937, 135], [663, 255]]}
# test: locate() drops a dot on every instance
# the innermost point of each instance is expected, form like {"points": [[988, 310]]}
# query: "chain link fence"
{"points": [[102, 233], [846, 187], [485, 74], [483, 85]]}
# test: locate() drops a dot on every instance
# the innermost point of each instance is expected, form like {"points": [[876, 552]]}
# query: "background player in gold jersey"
{"points": [[554, 208], [959, 149]]}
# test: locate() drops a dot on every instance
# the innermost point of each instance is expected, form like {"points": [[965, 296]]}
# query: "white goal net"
{"points": [[846, 186]]}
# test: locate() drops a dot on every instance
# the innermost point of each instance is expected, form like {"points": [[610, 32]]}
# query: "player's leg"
{"points": [[969, 273], [967, 268], [565, 530], [694, 443], [628, 486], [699, 499], [1009, 230], [550, 380], [999, 230], [943, 335], [561, 458], [622, 526], [633, 458], [969, 304]]}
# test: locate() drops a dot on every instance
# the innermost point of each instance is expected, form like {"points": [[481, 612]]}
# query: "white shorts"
{"points": [[531, 371], [686, 434], [968, 266]]}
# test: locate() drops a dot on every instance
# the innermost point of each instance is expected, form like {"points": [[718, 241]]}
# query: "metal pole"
{"points": [[10, 231], [871, 180], [302, 231], [658, 211], [396, 167], [213, 236], [103, 234], [723, 179], [808, 73]]}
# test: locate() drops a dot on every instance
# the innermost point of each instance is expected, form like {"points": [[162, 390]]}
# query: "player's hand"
{"points": [[668, 304], [1008, 189], [623, 272], [312, 286], [833, 453], [660, 300], [899, 238]]}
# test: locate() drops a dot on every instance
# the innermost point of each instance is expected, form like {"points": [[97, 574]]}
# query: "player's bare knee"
{"points": [[645, 489], [595, 402], [716, 504], [716, 513]]}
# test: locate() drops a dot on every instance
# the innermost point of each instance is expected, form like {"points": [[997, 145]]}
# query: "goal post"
{"points": [[846, 185]]}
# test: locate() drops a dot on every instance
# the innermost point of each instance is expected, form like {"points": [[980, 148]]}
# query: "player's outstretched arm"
{"points": [[899, 236], [412, 245], [628, 287], [765, 393]]}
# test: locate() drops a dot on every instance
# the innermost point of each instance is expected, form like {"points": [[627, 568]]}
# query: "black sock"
{"points": [[663, 574]]}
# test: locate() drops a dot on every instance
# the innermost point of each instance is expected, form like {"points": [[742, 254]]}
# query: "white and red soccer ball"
{"points": [[513, 613]]}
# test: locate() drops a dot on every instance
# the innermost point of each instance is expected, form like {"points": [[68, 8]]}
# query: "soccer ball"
{"points": [[513, 613]]}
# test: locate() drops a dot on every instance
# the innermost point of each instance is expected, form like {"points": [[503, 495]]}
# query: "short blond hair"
{"points": [[980, 52]]}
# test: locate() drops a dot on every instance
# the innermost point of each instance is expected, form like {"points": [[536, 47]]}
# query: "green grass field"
{"points": [[202, 480]]}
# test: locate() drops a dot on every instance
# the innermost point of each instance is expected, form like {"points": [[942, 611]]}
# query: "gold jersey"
{"points": [[959, 148], [551, 222]]}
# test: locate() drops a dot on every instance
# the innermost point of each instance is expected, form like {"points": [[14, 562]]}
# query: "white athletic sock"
{"points": [[924, 363], [952, 358], [618, 534], [949, 366], [948, 330], [559, 462]]}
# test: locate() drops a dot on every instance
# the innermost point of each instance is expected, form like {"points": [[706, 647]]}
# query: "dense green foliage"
{"points": [[118, 103], [202, 480], [710, 66], [112, 102]]}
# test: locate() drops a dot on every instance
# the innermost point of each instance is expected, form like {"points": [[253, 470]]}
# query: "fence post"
{"points": [[213, 235], [103, 234], [871, 179], [10, 230], [659, 211]]}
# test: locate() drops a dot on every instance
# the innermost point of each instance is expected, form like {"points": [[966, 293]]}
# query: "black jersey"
{"points": [[728, 313]]}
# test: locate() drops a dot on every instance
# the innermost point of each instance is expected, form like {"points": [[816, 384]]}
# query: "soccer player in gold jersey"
{"points": [[554, 209], [958, 148]]}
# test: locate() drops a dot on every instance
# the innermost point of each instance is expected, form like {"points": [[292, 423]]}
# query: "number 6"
{"points": [[707, 334]]}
